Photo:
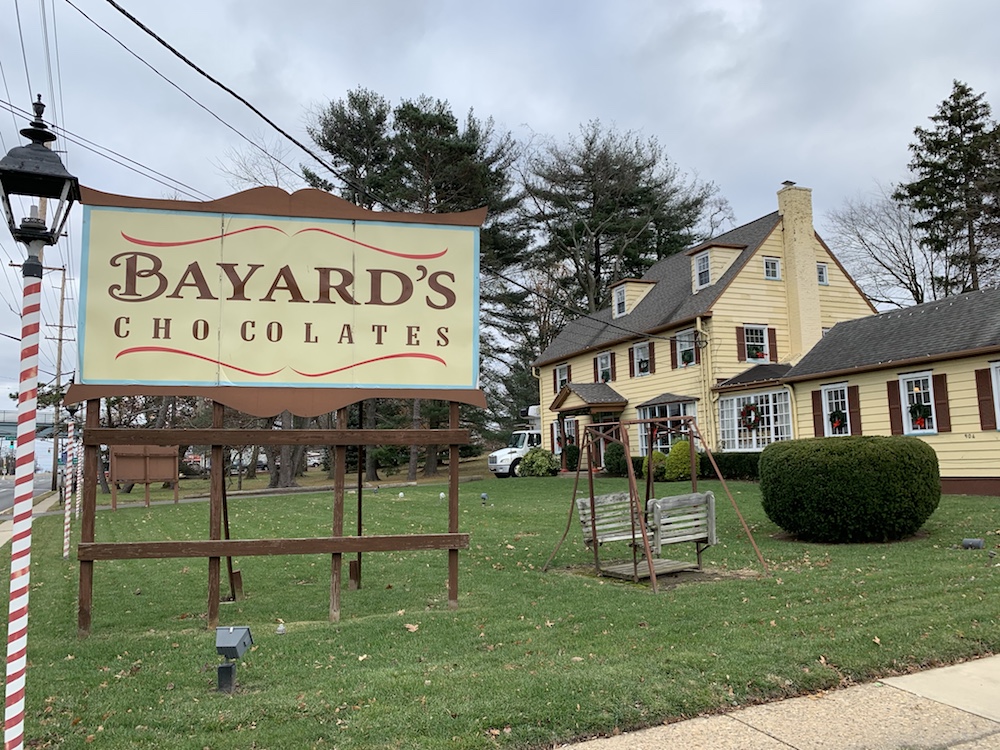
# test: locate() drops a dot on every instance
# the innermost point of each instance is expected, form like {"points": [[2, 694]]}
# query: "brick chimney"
{"points": [[801, 283]]}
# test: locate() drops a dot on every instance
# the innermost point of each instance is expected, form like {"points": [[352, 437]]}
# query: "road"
{"points": [[43, 482]]}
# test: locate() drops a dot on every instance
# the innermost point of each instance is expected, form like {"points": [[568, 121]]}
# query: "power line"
{"points": [[335, 172]]}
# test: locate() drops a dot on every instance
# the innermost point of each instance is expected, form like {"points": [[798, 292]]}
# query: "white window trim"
{"points": [[696, 261], [688, 340], [827, 426], [606, 356], [823, 274], [635, 359], [747, 344], [562, 370], [777, 268], [619, 301], [686, 409], [776, 421], [904, 402]]}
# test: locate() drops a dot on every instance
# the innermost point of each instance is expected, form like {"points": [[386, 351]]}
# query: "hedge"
{"points": [[850, 489]]}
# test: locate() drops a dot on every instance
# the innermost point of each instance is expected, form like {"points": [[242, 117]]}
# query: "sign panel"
{"points": [[220, 299]]}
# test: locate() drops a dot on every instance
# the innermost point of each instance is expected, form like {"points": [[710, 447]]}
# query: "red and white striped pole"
{"points": [[79, 476], [24, 480], [69, 474]]}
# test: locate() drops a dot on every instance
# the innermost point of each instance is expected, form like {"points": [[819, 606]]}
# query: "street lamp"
{"points": [[35, 173]]}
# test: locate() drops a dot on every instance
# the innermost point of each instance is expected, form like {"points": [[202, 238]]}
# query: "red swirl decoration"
{"points": [[268, 227], [413, 355], [169, 350]]}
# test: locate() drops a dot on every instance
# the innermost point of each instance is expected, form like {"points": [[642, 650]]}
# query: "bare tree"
{"points": [[879, 242], [260, 163]]}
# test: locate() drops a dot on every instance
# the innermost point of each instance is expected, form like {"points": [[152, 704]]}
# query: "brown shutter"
{"points": [[569, 373], [614, 371], [674, 363], [818, 426], [555, 380], [942, 411], [652, 358], [984, 394], [854, 408], [772, 344], [552, 435], [741, 344], [895, 410], [631, 362], [597, 373], [697, 350]]}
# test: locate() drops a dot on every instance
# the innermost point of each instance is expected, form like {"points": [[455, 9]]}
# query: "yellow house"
{"points": [[748, 303], [932, 371]]}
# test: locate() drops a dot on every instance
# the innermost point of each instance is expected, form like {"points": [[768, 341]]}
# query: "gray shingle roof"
{"points": [[758, 374], [596, 393], [666, 398], [953, 325], [669, 301]]}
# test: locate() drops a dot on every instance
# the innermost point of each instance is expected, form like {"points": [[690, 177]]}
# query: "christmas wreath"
{"points": [[920, 413], [837, 419], [750, 416]]}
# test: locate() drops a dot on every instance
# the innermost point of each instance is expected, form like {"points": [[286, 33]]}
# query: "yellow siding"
{"points": [[840, 300], [966, 451], [635, 291]]}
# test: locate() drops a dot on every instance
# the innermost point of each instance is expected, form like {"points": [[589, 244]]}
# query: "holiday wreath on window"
{"points": [[920, 413], [837, 419], [750, 416]]}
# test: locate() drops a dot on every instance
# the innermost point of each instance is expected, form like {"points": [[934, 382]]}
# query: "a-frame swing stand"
{"points": [[646, 565]]}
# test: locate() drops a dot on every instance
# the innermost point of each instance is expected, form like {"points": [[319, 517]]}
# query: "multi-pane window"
{"points": [[835, 410], [822, 274], [568, 436], [702, 270], [751, 422], [640, 359], [562, 376], [664, 438], [604, 367], [619, 301], [685, 341], [917, 402], [772, 268], [756, 343]]}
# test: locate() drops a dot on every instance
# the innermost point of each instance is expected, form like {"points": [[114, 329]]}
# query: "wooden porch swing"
{"points": [[650, 524]]}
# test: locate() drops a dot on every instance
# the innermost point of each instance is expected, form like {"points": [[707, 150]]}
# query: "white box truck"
{"points": [[505, 462]]}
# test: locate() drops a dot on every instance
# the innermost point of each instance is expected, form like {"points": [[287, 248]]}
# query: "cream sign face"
{"points": [[193, 298]]}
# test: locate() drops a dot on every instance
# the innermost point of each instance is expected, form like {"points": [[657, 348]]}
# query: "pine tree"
{"points": [[955, 169]]}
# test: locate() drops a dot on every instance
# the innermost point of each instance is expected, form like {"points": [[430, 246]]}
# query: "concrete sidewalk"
{"points": [[43, 504], [951, 707]]}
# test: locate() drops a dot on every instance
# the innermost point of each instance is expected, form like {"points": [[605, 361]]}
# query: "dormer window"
{"points": [[619, 305], [702, 271]]}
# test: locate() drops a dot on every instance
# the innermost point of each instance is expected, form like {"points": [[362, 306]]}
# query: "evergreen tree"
{"points": [[955, 176], [609, 205]]}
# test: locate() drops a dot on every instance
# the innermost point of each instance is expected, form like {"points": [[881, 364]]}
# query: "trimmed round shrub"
{"points": [[659, 466], [637, 463], [614, 460], [678, 464], [850, 489], [539, 462], [572, 457]]}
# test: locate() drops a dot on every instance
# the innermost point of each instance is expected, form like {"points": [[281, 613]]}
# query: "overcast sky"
{"points": [[740, 93]]}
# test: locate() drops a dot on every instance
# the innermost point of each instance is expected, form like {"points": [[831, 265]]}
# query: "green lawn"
{"points": [[528, 659]]}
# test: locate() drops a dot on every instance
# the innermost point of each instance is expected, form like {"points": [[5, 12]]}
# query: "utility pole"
{"points": [[58, 384]]}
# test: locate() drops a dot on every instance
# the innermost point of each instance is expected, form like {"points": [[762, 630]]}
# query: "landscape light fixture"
{"points": [[32, 175], [231, 642]]}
